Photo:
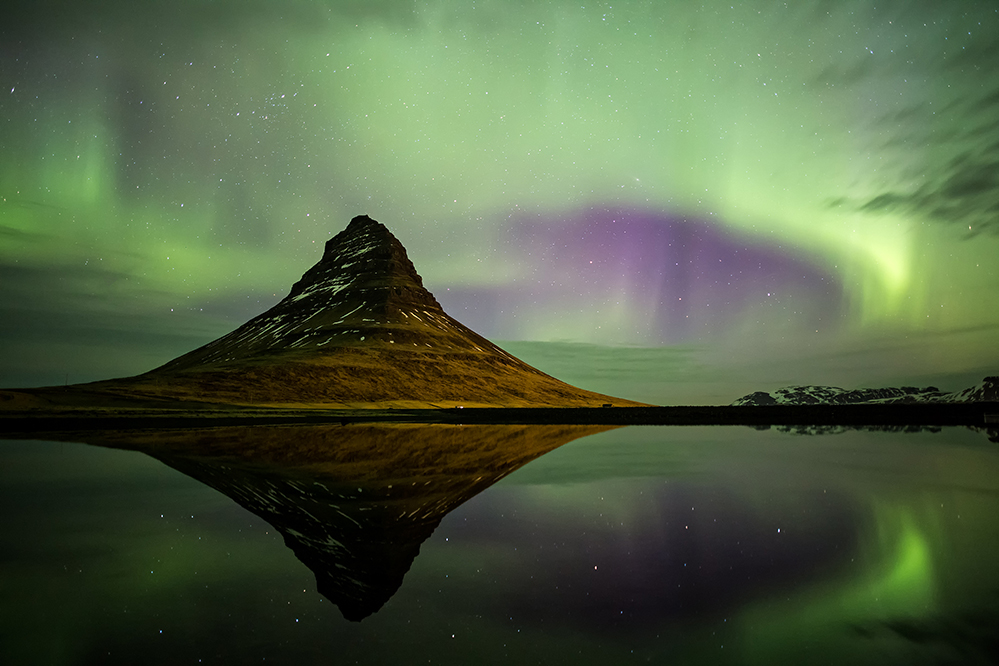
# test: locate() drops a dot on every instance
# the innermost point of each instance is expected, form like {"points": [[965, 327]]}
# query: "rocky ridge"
{"points": [[985, 391]]}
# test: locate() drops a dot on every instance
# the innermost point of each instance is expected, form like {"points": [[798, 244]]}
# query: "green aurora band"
{"points": [[166, 173]]}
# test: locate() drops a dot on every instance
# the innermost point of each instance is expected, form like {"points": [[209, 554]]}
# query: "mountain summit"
{"points": [[363, 292], [359, 329]]}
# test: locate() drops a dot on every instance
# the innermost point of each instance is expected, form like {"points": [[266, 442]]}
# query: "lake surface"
{"points": [[715, 545]]}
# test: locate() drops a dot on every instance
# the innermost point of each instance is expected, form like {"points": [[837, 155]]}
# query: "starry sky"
{"points": [[669, 201]]}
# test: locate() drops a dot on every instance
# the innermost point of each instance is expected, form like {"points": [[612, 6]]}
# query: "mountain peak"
{"points": [[368, 259], [358, 328], [363, 287]]}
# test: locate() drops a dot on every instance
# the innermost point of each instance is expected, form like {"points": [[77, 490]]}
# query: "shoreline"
{"points": [[980, 414]]}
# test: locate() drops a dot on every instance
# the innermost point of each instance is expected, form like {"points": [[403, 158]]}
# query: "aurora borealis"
{"points": [[754, 193]]}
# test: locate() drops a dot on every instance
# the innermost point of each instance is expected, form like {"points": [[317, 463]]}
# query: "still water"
{"points": [[714, 545]]}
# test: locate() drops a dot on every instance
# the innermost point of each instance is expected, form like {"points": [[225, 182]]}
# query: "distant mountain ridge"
{"points": [[985, 391], [358, 330]]}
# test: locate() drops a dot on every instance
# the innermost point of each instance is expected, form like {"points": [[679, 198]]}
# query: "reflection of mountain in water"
{"points": [[354, 502], [991, 432]]}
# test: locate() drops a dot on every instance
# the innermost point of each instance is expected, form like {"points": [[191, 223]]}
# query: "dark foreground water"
{"points": [[638, 545]]}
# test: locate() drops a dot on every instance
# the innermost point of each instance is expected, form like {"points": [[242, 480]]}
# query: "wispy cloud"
{"points": [[962, 189]]}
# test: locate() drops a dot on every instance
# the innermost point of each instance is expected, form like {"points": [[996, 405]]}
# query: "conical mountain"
{"points": [[359, 329], [363, 292]]}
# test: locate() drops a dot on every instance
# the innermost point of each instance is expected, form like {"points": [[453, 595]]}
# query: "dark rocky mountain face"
{"points": [[359, 329], [986, 391], [363, 292]]}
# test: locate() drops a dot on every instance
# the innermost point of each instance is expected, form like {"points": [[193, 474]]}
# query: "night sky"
{"points": [[686, 201]]}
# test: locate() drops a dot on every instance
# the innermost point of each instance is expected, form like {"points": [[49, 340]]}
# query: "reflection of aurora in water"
{"points": [[891, 578], [916, 575], [635, 545], [907, 583]]}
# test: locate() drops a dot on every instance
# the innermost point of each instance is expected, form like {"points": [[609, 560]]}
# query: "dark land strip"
{"points": [[940, 414]]}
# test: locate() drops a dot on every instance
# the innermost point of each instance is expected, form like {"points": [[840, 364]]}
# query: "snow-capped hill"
{"points": [[986, 391]]}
